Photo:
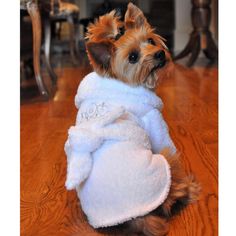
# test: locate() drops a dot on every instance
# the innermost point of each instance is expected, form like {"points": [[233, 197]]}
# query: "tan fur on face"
{"points": [[137, 40]]}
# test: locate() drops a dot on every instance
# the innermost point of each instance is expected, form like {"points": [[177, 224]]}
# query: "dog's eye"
{"points": [[133, 57], [151, 41]]}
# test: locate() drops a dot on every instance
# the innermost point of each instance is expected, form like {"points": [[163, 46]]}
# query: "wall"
{"points": [[182, 23], [183, 26]]}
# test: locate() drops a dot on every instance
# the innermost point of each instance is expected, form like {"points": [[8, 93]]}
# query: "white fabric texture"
{"points": [[111, 151]]}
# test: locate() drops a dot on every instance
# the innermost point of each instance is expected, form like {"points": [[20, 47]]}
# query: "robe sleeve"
{"points": [[158, 132], [79, 147]]}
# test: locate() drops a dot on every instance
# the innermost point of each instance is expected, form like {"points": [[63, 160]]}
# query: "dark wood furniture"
{"points": [[200, 38], [26, 47], [36, 10], [62, 11], [33, 10], [43, 13]]}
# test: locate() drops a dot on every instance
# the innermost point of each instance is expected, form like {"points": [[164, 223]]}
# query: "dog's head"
{"points": [[129, 51]]}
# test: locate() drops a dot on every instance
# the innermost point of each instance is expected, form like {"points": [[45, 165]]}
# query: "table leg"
{"points": [[200, 38], [70, 20], [47, 46], [36, 25], [77, 35]]}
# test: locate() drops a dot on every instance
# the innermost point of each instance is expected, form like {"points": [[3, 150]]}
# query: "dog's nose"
{"points": [[160, 55]]}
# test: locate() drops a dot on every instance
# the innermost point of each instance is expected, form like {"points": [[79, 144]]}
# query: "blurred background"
{"points": [[52, 33]]}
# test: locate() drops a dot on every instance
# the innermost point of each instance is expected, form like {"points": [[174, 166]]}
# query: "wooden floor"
{"points": [[191, 111]]}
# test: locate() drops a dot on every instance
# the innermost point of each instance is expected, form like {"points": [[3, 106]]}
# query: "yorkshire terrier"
{"points": [[131, 53]]}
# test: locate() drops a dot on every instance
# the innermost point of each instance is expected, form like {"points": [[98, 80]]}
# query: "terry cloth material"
{"points": [[112, 151]]}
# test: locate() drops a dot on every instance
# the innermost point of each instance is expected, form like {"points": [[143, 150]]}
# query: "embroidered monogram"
{"points": [[94, 110]]}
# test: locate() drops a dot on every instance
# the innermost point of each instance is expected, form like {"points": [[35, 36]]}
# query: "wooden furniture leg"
{"points": [[36, 25], [200, 38], [70, 20], [76, 21], [47, 47]]}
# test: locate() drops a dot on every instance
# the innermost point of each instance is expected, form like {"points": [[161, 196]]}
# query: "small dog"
{"points": [[119, 128]]}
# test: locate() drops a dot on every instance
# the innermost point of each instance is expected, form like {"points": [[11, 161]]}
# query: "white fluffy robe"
{"points": [[112, 151]]}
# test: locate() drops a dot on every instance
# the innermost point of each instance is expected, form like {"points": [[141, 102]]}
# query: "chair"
{"points": [[34, 12], [63, 12]]}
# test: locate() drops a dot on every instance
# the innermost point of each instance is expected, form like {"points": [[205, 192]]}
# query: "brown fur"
{"points": [[99, 55], [135, 38], [109, 57], [134, 18], [148, 225], [139, 73], [106, 27], [184, 188]]}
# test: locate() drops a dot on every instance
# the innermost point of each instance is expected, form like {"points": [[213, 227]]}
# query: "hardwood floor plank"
{"points": [[191, 111]]}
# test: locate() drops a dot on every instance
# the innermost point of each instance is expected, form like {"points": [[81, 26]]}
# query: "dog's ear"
{"points": [[134, 17], [100, 54], [106, 27]]}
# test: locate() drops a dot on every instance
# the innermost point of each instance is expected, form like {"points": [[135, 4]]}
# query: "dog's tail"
{"points": [[148, 225], [184, 188]]}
